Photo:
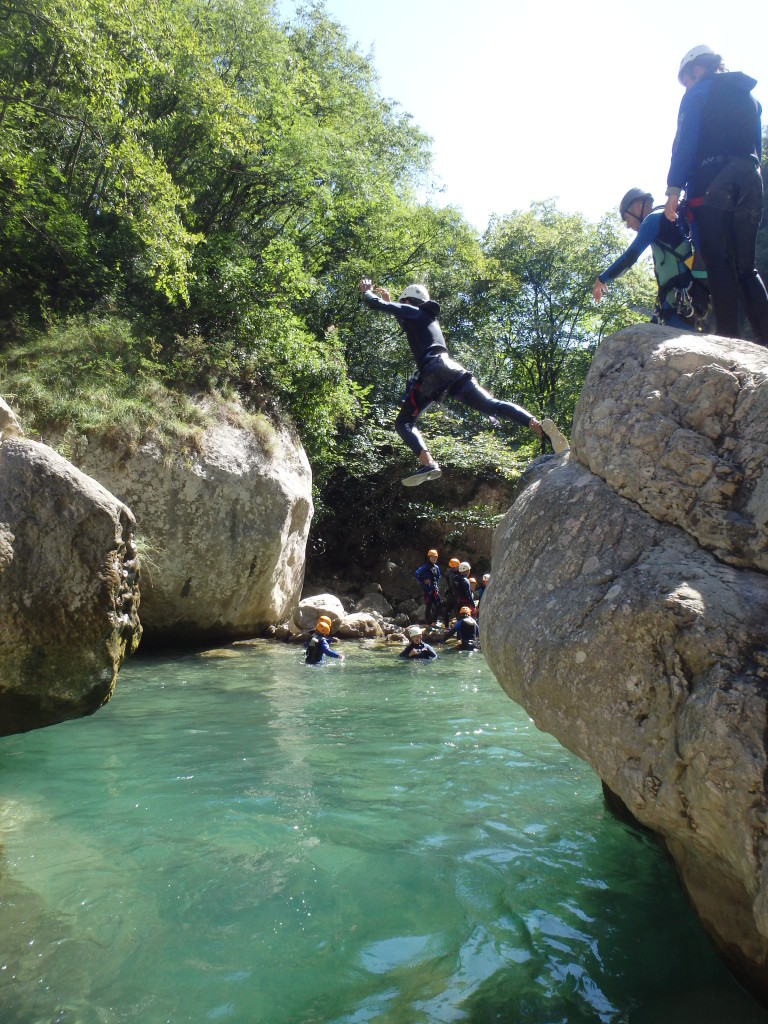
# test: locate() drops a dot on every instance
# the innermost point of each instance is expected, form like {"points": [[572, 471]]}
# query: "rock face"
{"points": [[636, 631], [68, 588], [223, 531]]}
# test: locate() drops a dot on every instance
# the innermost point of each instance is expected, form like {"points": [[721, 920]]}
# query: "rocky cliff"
{"points": [[223, 530], [68, 588], [628, 610]]}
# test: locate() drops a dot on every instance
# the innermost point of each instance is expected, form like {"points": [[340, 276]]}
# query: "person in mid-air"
{"points": [[428, 576], [465, 629], [682, 298], [440, 377], [318, 645], [417, 647]]}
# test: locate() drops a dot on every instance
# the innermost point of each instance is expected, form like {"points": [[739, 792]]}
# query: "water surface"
{"points": [[238, 837]]}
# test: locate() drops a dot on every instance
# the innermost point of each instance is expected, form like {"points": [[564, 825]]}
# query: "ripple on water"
{"points": [[237, 837]]}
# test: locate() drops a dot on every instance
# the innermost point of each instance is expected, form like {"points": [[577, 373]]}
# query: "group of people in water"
{"points": [[451, 616], [702, 247]]}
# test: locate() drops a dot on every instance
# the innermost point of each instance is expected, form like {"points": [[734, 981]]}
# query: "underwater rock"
{"points": [[69, 593]]}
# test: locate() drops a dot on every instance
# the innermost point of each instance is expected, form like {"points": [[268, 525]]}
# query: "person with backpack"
{"points": [[716, 159], [682, 299], [465, 630], [440, 377]]}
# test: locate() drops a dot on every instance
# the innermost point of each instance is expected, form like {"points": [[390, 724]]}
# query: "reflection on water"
{"points": [[243, 838]]}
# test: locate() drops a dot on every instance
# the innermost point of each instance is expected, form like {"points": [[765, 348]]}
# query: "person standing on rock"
{"points": [[682, 298], [428, 576], [440, 377], [464, 588], [716, 158]]}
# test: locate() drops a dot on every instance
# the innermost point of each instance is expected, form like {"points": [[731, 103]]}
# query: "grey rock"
{"points": [[310, 609], [636, 631], [69, 594], [223, 530], [360, 625], [676, 423]]}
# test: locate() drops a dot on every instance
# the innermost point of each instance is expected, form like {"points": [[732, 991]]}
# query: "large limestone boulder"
{"points": [[223, 530], [636, 631], [68, 588], [677, 423]]}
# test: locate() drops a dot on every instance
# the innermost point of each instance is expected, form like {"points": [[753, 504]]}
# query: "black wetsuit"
{"points": [[422, 649], [464, 592], [438, 375], [716, 156], [467, 632]]}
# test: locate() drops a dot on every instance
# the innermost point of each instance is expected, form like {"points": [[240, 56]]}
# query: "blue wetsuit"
{"points": [[317, 646], [428, 576], [716, 158], [438, 375], [653, 229]]}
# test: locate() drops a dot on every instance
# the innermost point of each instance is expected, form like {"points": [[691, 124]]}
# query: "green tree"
{"points": [[530, 318]]}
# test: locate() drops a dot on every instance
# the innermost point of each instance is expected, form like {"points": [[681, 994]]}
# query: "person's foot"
{"points": [[556, 439], [422, 474]]}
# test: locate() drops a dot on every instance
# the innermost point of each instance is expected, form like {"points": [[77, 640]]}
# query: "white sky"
{"points": [[530, 100]]}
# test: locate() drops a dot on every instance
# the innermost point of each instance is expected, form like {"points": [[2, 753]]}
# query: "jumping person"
{"points": [[716, 158], [428, 576], [682, 298], [439, 377]]}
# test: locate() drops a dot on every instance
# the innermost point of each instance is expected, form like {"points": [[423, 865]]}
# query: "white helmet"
{"points": [[415, 631], [414, 291], [465, 567], [690, 57]]}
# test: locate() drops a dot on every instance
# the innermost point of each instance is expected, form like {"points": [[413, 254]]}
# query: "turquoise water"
{"points": [[238, 837]]}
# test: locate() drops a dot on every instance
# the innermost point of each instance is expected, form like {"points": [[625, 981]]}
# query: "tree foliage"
{"points": [[530, 318]]}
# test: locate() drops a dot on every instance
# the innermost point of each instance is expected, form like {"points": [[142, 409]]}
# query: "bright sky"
{"points": [[530, 100]]}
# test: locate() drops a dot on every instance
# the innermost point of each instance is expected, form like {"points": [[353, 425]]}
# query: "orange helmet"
{"points": [[465, 610], [431, 552], [323, 627], [453, 564]]}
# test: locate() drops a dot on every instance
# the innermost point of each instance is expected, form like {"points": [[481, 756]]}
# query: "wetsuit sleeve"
{"points": [[401, 310], [327, 649], [646, 234], [431, 652], [687, 137], [422, 575]]}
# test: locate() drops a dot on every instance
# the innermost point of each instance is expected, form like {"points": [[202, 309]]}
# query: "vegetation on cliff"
{"points": [[189, 193]]}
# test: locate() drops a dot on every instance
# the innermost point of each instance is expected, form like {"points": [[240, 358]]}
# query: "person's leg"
{"points": [[714, 229], [405, 424], [753, 293], [478, 398]]}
